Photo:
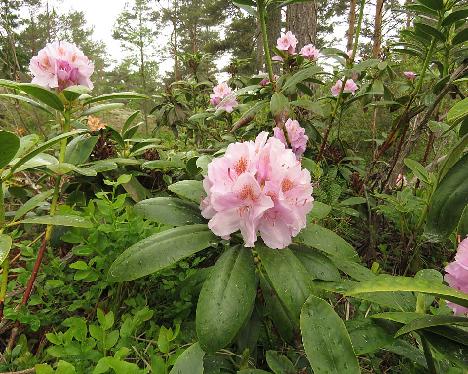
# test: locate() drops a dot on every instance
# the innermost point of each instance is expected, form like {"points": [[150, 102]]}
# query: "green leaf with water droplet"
{"points": [[170, 211], [60, 220], [288, 277], [189, 189], [160, 251], [327, 241], [190, 361], [226, 299], [326, 341]]}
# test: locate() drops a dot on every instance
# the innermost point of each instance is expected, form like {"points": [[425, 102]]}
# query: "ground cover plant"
{"points": [[310, 219]]}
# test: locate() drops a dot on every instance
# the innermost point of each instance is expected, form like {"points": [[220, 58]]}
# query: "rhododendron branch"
{"points": [[266, 47], [53, 209]]}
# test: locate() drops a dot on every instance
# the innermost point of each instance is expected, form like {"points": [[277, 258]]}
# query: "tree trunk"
{"points": [[301, 19], [377, 39], [351, 22]]}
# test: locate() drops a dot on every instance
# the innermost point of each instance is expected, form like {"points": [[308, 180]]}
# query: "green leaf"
{"points": [[32, 203], [190, 361], [170, 211], [280, 364], [458, 112], [327, 241], [136, 190], [129, 121], [355, 200], [432, 4], [279, 104], [310, 105], [64, 168], [64, 367], [455, 16], [60, 220], [253, 371], [326, 342], [79, 149], [385, 283], [5, 245], [250, 113], [418, 170], [226, 299], [45, 96], [453, 157], [117, 96], [367, 337], [449, 200], [452, 351], [27, 100], [461, 37], [40, 160], [276, 310], [160, 251], [300, 76], [189, 189], [319, 211], [288, 277], [163, 164], [101, 108], [10, 144], [74, 92], [429, 30], [44, 146], [429, 321], [316, 263]]}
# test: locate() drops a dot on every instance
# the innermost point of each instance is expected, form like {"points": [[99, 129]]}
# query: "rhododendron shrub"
{"points": [[258, 188], [223, 98], [60, 65], [457, 275]]}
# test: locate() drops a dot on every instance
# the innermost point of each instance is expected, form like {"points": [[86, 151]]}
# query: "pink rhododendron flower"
{"points": [[223, 98], [287, 42], [457, 275], [310, 52], [229, 103], [296, 137], [411, 75], [60, 65], [257, 188], [350, 53], [350, 87], [277, 58]]}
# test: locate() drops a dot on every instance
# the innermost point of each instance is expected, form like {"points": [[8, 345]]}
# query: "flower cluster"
{"points": [[295, 135], [310, 52], [257, 187], [60, 65], [350, 87], [457, 275], [287, 42], [223, 98]]}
